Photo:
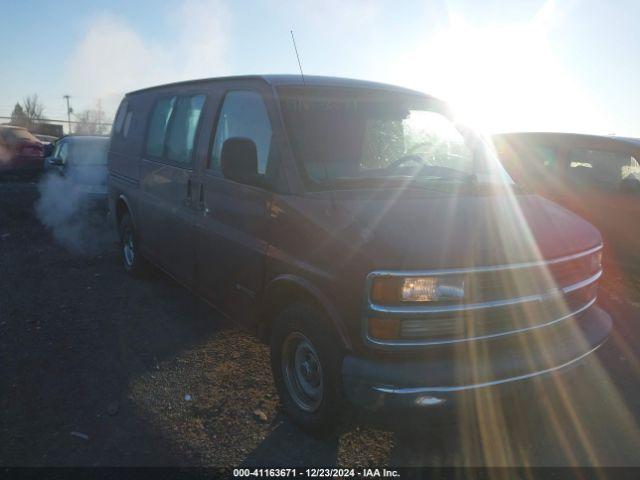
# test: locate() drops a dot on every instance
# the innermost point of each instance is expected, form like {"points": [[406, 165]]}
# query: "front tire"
{"points": [[306, 364], [131, 259]]}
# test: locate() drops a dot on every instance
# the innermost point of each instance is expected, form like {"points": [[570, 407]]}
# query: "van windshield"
{"points": [[348, 136]]}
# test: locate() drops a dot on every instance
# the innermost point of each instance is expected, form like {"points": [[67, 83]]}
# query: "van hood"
{"points": [[414, 232]]}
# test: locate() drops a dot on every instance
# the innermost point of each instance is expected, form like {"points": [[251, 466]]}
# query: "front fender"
{"points": [[300, 285]]}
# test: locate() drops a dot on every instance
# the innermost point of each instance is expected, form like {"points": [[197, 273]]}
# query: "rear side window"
{"points": [[158, 126], [183, 127], [243, 114], [127, 125], [122, 111]]}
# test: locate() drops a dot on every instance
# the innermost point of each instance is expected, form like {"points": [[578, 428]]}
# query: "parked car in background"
{"points": [[83, 161], [598, 177], [379, 248], [20, 151], [48, 142]]}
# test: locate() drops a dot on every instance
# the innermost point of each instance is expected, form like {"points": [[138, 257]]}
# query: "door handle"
{"points": [[188, 201], [201, 201]]}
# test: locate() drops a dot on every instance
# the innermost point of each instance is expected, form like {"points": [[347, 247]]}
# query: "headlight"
{"points": [[394, 290]]}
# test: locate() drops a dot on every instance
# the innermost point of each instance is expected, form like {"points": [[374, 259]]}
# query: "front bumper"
{"points": [[442, 377]]}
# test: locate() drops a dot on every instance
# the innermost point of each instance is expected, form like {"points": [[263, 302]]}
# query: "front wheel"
{"points": [[306, 364]]}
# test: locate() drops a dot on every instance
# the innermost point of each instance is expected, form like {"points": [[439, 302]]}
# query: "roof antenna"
{"points": [[297, 56]]}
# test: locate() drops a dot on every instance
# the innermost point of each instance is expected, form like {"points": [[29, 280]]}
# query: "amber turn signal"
{"points": [[384, 328], [386, 290]]}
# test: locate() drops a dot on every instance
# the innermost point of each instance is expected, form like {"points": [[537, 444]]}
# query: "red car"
{"points": [[597, 177], [20, 150]]}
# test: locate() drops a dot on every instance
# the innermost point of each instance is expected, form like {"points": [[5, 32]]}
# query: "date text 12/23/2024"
{"points": [[316, 472]]}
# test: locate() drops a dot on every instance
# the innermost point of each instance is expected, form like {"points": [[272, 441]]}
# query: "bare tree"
{"points": [[91, 121], [18, 117], [33, 109]]}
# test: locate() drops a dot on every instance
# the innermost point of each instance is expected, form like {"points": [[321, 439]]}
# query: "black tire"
{"points": [[303, 321], [133, 262]]}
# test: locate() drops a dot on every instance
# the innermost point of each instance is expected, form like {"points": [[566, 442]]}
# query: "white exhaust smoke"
{"points": [[69, 212]]}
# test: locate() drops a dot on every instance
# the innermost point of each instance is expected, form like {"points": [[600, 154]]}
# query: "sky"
{"points": [[528, 65]]}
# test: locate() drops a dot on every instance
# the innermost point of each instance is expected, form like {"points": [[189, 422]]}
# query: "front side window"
{"points": [[158, 126], [352, 135], [183, 127], [632, 169], [63, 152], [601, 168], [56, 149], [243, 114]]}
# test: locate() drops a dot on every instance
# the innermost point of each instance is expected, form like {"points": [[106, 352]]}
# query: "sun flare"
{"points": [[501, 78]]}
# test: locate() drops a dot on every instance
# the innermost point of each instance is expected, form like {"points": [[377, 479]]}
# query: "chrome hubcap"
{"points": [[302, 372], [128, 248]]}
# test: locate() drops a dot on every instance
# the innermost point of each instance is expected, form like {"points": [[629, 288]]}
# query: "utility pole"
{"points": [[67, 97]]}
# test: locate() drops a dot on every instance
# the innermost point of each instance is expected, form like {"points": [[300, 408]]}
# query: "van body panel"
{"points": [[232, 233], [166, 219]]}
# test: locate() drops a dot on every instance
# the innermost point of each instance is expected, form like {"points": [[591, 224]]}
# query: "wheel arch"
{"points": [[123, 206], [286, 289]]}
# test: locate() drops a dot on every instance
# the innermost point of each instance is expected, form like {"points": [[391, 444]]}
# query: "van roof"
{"points": [[280, 80]]}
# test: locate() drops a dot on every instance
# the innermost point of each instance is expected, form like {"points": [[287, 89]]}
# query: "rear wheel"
{"points": [[131, 259], [306, 363]]}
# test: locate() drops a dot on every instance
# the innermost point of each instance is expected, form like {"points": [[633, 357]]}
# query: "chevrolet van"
{"points": [[371, 239]]}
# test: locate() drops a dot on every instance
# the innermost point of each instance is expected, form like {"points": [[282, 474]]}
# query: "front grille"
{"points": [[500, 300], [495, 321], [521, 282]]}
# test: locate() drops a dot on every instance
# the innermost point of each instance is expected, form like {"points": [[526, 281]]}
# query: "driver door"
{"points": [[232, 227]]}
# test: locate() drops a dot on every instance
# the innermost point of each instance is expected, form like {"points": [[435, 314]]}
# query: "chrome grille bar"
{"points": [[574, 299], [462, 307], [486, 268]]}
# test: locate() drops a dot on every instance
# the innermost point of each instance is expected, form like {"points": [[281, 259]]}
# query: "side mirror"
{"points": [[47, 148], [57, 161], [239, 161]]}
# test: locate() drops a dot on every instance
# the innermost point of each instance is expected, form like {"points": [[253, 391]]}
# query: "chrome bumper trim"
{"points": [[428, 390]]}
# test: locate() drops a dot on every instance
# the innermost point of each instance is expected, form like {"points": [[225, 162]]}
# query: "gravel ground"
{"points": [[97, 368]]}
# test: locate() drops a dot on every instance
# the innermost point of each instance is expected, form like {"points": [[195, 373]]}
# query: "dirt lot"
{"points": [[97, 368]]}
